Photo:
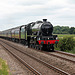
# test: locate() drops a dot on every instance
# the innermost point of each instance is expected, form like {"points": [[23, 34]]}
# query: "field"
{"points": [[66, 35]]}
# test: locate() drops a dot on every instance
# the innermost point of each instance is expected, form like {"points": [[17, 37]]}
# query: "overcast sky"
{"points": [[14, 13]]}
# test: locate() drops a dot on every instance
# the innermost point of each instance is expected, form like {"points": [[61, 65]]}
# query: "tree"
{"points": [[57, 30], [71, 31], [74, 31], [63, 30]]}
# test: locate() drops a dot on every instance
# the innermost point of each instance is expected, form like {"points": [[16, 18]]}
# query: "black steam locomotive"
{"points": [[36, 35]]}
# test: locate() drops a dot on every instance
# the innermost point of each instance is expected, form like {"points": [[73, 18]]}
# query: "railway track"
{"points": [[61, 55], [37, 59], [64, 56], [69, 54], [23, 62]]}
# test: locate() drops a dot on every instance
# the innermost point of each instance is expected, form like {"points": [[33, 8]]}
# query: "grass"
{"points": [[3, 68], [65, 35]]}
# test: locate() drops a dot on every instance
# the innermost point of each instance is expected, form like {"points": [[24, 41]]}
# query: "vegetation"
{"points": [[66, 43], [66, 37], [3, 68], [63, 30]]}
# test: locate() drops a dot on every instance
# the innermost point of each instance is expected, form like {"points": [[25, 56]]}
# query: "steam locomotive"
{"points": [[35, 35]]}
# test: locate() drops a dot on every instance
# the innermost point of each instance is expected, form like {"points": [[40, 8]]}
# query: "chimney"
{"points": [[44, 20]]}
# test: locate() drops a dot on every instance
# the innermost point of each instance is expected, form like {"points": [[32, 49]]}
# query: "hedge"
{"points": [[66, 43]]}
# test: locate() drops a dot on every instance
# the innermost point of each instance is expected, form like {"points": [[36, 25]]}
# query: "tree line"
{"points": [[63, 30]]}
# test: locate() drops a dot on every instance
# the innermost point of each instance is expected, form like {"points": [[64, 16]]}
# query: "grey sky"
{"points": [[14, 13]]}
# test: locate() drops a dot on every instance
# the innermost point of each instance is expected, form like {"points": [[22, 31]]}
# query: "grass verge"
{"points": [[3, 67]]}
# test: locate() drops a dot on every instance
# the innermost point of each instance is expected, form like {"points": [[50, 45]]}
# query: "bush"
{"points": [[66, 43]]}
